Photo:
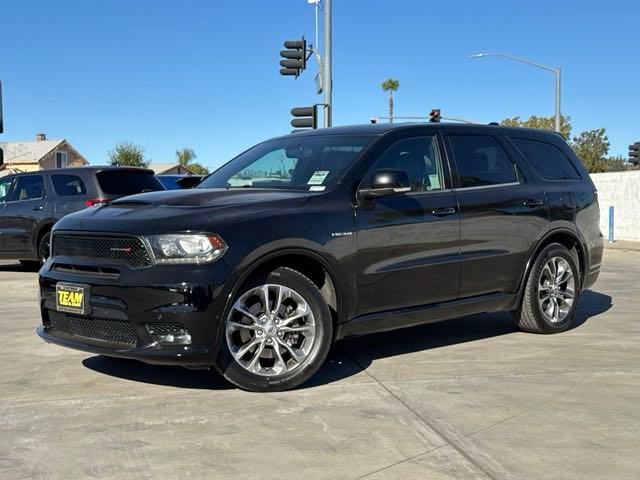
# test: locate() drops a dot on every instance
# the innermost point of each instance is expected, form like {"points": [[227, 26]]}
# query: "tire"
{"points": [[550, 299], [43, 254], [44, 248], [259, 351]]}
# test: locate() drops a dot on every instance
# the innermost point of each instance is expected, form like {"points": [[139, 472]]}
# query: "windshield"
{"points": [[305, 163]]}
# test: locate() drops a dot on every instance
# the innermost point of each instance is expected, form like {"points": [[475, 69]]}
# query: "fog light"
{"points": [[169, 333]]}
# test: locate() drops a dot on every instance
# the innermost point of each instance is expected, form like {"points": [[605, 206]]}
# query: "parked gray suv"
{"points": [[30, 203]]}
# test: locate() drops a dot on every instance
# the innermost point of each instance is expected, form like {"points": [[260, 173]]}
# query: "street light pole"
{"points": [[327, 76], [557, 71]]}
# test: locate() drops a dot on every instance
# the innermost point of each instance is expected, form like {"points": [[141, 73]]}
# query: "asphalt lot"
{"points": [[469, 398]]}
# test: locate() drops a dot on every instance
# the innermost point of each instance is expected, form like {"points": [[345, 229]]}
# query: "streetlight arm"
{"points": [[557, 71], [517, 59]]}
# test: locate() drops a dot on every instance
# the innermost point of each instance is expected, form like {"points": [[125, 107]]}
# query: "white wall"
{"points": [[622, 190]]}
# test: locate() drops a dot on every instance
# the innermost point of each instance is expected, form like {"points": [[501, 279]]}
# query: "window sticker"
{"points": [[317, 188], [434, 180], [318, 177]]}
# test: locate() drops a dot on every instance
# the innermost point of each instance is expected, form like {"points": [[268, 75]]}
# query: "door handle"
{"points": [[533, 203], [38, 208], [441, 212]]}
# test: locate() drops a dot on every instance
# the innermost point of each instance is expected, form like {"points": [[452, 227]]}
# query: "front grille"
{"points": [[130, 250], [112, 331]]}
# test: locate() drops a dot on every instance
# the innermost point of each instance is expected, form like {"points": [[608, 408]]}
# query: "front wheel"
{"points": [[277, 333], [551, 293]]}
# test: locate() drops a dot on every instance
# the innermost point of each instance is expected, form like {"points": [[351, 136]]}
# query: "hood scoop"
{"points": [[201, 198], [129, 204]]}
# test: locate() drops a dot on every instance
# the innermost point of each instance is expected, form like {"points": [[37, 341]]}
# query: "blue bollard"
{"points": [[611, 240]]}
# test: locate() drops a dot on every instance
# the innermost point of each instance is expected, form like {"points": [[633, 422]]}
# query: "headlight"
{"points": [[186, 248]]}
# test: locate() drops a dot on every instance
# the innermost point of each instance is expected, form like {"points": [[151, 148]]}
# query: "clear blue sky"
{"points": [[204, 74]]}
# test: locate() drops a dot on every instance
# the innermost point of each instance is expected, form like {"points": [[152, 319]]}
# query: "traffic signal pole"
{"points": [[1, 124], [558, 122], [327, 60], [294, 62]]}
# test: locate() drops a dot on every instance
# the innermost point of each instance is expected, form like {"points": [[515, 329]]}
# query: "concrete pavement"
{"points": [[466, 399]]}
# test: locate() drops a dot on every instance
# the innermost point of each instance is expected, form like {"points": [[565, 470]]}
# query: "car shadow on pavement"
{"points": [[351, 356], [591, 304], [16, 267], [172, 376]]}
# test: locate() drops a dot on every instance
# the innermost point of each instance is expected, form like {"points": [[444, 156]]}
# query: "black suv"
{"points": [[30, 203], [312, 237]]}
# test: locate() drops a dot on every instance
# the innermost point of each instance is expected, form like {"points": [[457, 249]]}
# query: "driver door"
{"points": [[409, 244]]}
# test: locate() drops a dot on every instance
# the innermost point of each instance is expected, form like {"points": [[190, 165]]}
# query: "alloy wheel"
{"points": [[271, 330], [556, 290]]}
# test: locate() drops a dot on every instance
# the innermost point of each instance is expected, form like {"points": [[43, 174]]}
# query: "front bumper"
{"points": [[118, 311], [149, 353]]}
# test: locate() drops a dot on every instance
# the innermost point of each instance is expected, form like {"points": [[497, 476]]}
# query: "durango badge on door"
{"points": [[71, 298]]}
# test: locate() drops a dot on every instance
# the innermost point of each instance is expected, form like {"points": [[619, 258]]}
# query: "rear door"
{"points": [[503, 212], [408, 244], [71, 193], [27, 207]]}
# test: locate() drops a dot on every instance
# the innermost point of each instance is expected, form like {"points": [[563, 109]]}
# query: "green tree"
{"points": [[592, 147], [198, 169], [185, 158], [616, 164], [127, 154], [543, 123], [390, 85]]}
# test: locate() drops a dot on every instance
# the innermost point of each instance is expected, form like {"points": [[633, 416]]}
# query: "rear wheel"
{"points": [[277, 333], [44, 248], [551, 293]]}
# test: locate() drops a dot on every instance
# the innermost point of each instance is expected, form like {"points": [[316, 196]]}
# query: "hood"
{"points": [[182, 210]]}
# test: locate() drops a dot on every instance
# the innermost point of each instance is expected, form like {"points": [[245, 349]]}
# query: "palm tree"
{"points": [[390, 86], [185, 156]]}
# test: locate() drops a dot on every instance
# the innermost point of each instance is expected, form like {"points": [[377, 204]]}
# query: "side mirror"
{"points": [[387, 182]]}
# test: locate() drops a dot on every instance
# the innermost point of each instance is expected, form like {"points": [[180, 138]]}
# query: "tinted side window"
{"points": [[68, 185], [418, 156], [5, 189], [547, 159], [127, 182], [30, 187], [481, 161]]}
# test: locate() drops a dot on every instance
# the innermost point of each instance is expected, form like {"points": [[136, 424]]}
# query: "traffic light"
{"points": [[305, 117], [434, 116], [634, 153], [294, 57]]}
